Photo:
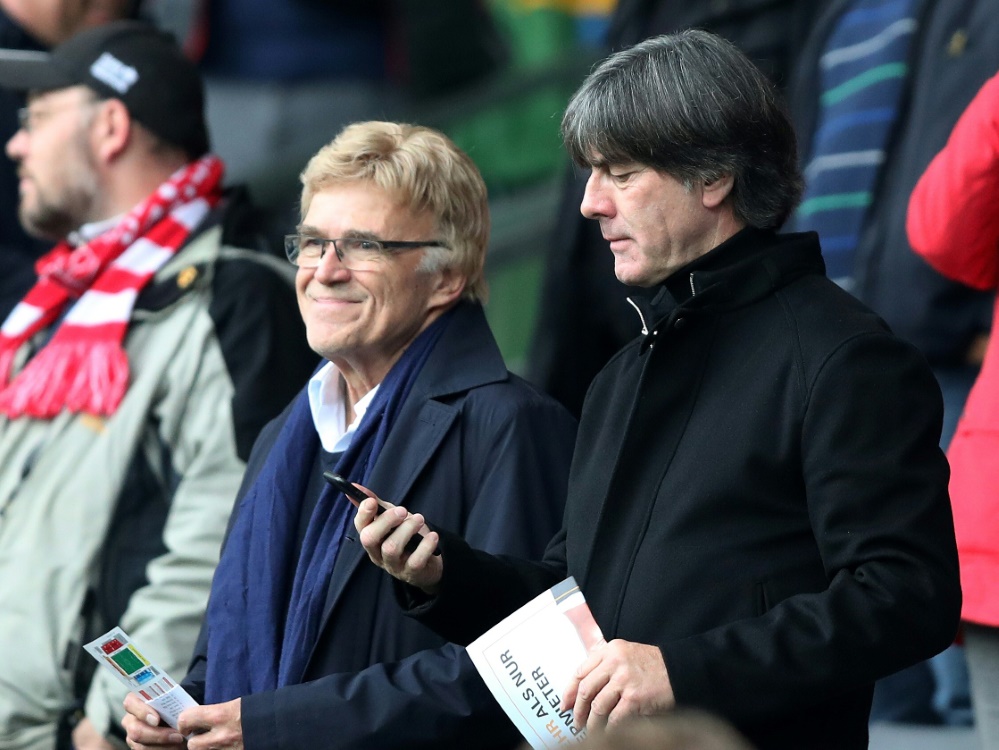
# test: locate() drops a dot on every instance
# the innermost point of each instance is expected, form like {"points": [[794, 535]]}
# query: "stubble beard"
{"points": [[54, 214]]}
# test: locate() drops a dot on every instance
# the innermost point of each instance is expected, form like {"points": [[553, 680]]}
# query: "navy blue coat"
{"points": [[482, 454]]}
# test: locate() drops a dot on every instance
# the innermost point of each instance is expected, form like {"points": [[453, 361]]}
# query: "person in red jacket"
{"points": [[953, 223]]}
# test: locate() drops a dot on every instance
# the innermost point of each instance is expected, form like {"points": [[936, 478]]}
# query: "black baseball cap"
{"points": [[127, 60]]}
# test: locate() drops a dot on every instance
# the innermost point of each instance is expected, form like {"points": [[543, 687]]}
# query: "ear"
{"points": [[448, 287], [111, 130], [713, 194]]}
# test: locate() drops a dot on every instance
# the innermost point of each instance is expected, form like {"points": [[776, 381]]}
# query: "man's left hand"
{"points": [[619, 680], [217, 727], [86, 737]]}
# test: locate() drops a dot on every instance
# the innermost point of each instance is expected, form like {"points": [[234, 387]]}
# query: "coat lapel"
{"points": [[393, 476], [465, 357]]}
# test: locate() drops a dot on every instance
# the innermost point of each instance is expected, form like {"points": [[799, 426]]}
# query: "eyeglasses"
{"points": [[354, 253], [28, 118]]}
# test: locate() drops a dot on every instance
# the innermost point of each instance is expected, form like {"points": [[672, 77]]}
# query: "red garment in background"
{"points": [[953, 222]]}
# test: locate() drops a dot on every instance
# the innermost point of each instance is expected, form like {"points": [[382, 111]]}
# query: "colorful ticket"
{"points": [[116, 652]]}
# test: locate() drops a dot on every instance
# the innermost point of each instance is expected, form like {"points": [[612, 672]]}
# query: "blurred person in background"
{"points": [[280, 76], [953, 223], [33, 25], [878, 88], [134, 376]]}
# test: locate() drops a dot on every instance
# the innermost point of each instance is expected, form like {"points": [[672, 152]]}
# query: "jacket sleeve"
{"points": [[517, 472], [198, 430], [953, 218], [479, 589], [875, 483]]}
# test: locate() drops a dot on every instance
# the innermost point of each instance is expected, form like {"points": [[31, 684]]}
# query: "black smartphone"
{"points": [[356, 496], [343, 485]]}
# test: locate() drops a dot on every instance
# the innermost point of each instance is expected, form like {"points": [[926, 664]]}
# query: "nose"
{"points": [[595, 203], [16, 145], [331, 269]]}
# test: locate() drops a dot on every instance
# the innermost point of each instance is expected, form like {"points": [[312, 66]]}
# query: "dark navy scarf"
{"points": [[261, 633]]}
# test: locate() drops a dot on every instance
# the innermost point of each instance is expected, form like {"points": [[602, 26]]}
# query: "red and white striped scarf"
{"points": [[83, 367]]}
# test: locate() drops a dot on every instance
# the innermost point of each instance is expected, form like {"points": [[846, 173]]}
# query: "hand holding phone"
{"points": [[355, 496]]}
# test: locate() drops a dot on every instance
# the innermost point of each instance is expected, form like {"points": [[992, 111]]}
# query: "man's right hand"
{"points": [[384, 537], [143, 727]]}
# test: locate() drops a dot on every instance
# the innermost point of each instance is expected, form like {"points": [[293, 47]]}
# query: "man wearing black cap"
{"points": [[134, 376], [33, 25]]}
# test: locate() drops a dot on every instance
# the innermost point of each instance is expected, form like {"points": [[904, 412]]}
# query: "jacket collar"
{"points": [[473, 357], [747, 267]]}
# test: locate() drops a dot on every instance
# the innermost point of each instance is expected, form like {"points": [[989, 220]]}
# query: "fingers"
{"points": [[595, 693], [143, 727], [194, 720], [421, 557], [385, 536], [603, 708], [200, 719], [584, 669], [217, 726], [388, 538], [141, 735], [374, 527], [367, 512], [137, 707], [619, 680], [589, 687], [569, 694], [394, 546], [199, 727]]}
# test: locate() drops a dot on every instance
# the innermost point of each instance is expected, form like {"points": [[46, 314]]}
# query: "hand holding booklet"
{"points": [[116, 652], [528, 658]]}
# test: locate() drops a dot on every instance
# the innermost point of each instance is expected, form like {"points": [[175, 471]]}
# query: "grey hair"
{"points": [[693, 106], [435, 259]]}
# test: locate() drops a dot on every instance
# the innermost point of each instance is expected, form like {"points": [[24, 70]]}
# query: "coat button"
{"points": [[680, 323]]}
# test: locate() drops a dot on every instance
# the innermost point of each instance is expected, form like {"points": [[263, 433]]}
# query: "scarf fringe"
{"points": [[89, 377]]}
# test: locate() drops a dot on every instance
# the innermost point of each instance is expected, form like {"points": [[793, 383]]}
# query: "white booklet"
{"points": [[528, 659], [116, 652]]}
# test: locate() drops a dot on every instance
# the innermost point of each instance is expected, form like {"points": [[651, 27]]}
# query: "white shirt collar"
{"points": [[329, 409]]}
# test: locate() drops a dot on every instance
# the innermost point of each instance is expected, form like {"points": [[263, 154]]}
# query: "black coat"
{"points": [[757, 488], [482, 454]]}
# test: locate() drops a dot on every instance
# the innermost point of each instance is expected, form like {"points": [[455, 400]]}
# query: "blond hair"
{"points": [[429, 173]]}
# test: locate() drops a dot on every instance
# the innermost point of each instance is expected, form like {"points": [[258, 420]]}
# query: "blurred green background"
{"points": [[509, 124]]}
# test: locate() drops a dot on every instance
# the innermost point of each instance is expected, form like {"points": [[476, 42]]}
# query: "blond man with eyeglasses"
{"points": [[303, 644], [134, 376]]}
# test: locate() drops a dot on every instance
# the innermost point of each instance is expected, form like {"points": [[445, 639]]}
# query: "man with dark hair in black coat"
{"points": [[757, 508]]}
